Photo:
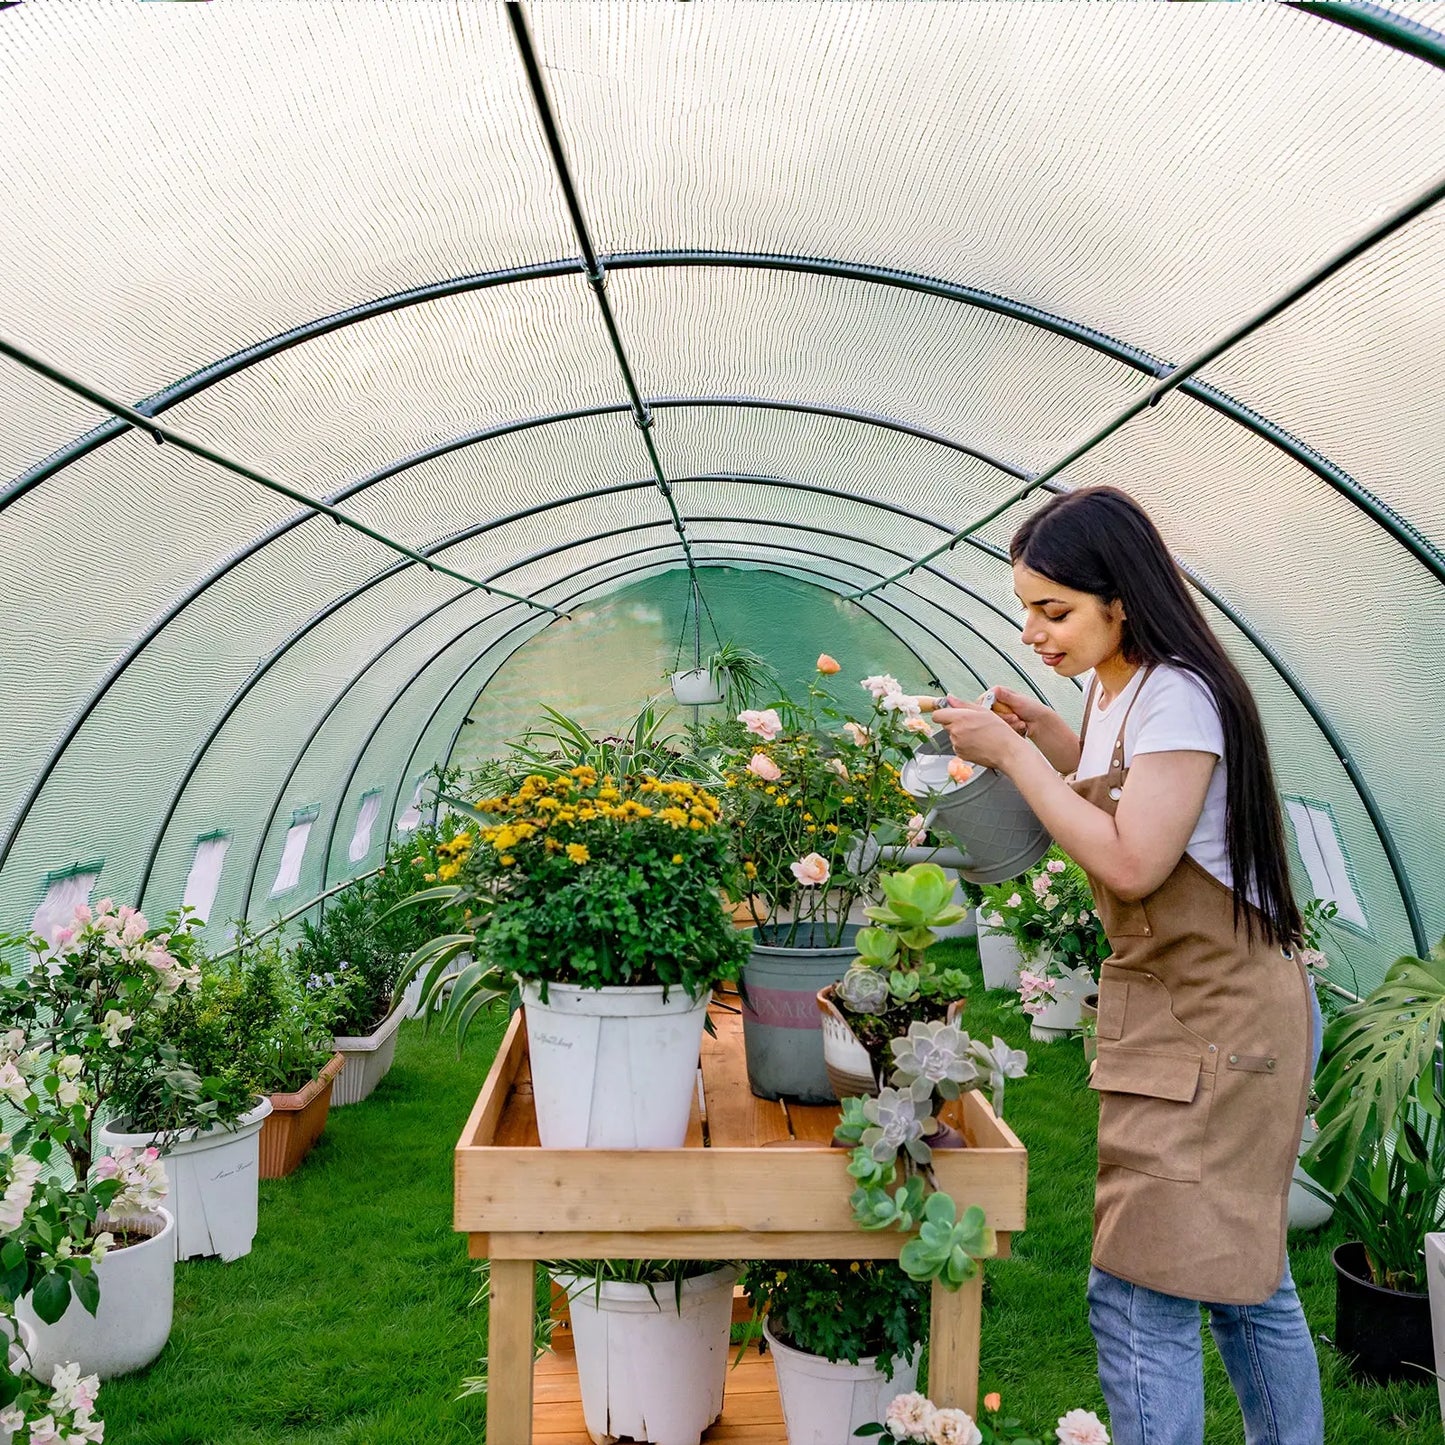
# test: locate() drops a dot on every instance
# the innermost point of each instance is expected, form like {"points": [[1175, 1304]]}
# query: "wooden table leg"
{"points": [[955, 1324], [510, 1332]]}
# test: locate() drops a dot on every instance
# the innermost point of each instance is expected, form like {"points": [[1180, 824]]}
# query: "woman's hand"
{"points": [[978, 735], [1020, 711]]}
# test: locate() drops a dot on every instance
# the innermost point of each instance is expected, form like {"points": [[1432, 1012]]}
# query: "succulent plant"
{"points": [[937, 1056], [897, 1121], [948, 1248], [1000, 1062], [864, 990]]}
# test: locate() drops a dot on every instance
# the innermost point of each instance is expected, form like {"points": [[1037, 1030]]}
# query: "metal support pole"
{"points": [[165, 433]]}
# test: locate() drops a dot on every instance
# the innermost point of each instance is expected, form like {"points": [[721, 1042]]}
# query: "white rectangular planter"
{"points": [[367, 1060]]}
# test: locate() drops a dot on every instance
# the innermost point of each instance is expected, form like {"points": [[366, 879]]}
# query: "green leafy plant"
{"points": [[740, 674], [584, 879], [840, 1310], [1377, 1057]]}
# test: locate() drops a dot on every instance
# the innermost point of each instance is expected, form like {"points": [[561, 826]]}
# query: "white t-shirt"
{"points": [[1175, 713]]}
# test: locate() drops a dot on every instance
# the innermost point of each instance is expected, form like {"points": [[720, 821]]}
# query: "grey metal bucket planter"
{"points": [[782, 1029]]}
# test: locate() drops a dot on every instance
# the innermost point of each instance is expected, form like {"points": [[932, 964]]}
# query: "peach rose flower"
{"points": [[828, 665], [811, 870], [764, 767]]}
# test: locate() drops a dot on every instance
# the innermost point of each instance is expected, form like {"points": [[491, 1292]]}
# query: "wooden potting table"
{"points": [[755, 1180]]}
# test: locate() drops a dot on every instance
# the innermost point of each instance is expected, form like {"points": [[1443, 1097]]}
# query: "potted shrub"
{"points": [[892, 982], [1050, 913], [598, 898], [651, 1338], [1381, 1155], [73, 1027], [808, 791], [211, 1148], [845, 1338], [352, 957]]}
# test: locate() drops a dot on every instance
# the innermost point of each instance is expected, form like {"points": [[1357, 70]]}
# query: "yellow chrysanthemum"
{"points": [[750, 870], [677, 857], [578, 853], [507, 860]]}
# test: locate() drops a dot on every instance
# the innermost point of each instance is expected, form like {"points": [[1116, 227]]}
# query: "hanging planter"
{"points": [[696, 687]]}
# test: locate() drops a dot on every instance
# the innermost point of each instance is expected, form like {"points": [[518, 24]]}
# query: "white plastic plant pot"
{"points": [[696, 688], [213, 1177], [1065, 1015], [1306, 1210], [648, 1369], [613, 1068], [825, 1401], [999, 954], [368, 1058], [133, 1320]]}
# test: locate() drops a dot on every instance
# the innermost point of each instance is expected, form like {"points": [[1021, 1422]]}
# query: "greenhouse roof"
{"points": [[452, 318]]}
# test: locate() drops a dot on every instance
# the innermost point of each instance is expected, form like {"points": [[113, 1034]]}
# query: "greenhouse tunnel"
{"points": [[374, 374]]}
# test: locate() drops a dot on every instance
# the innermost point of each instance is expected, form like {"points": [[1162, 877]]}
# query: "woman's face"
{"points": [[1071, 631]]}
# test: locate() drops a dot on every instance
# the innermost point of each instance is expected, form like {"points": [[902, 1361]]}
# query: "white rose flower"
{"points": [[953, 1427]]}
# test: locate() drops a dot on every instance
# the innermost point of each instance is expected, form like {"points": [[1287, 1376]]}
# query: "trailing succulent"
{"points": [[891, 1157]]}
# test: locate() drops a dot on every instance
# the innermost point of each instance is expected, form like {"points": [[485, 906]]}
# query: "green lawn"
{"points": [[349, 1322]]}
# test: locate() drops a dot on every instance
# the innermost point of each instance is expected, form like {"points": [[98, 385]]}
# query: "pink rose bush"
{"points": [[916, 1418], [809, 791]]}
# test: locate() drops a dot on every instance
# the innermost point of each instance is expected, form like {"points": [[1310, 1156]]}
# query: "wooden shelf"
{"points": [[754, 1180]]}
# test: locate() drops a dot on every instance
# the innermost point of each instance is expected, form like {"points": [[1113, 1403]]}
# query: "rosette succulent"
{"points": [[897, 1121], [864, 990], [935, 1056]]}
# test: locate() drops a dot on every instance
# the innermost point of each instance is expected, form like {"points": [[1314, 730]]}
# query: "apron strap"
{"points": [[1088, 711], [1116, 762]]}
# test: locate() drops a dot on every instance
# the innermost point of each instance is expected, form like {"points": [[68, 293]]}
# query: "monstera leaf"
{"points": [[1374, 1054]]}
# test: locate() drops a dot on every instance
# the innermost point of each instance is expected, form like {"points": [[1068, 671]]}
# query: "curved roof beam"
{"points": [[1377, 23], [1382, 515], [345, 789], [1178, 375], [276, 655], [198, 590]]}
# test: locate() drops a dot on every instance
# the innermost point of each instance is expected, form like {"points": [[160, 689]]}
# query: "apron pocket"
{"points": [[1113, 1001], [1153, 1111]]}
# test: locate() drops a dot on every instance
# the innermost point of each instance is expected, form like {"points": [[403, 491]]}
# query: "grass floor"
{"points": [[349, 1324]]}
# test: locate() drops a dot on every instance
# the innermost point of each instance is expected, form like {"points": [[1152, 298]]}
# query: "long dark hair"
{"points": [[1100, 540]]}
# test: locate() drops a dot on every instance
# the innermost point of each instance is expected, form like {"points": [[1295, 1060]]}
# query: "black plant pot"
{"points": [[1385, 1332]]}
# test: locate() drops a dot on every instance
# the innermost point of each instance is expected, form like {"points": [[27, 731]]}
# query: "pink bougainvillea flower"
{"points": [[1081, 1427], [765, 724], [828, 665], [764, 767], [856, 733], [811, 870], [916, 831], [1041, 884], [959, 770], [1056, 865]]}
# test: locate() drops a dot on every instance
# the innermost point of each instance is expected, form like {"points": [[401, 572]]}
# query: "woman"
{"points": [[1207, 1024]]}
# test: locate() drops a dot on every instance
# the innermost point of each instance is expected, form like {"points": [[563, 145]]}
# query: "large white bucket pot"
{"points": [[1065, 1015], [1435, 1277], [648, 1370], [999, 954], [133, 1320], [613, 1068], [1306, 1211], [368, 1058], [825, 1401], [213, 1178]]}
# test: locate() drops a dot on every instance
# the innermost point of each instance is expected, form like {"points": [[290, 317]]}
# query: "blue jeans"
{"points": [[1151, 1359]]}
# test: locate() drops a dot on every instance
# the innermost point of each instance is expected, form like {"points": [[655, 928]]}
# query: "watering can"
{"points": [[999, 834]]}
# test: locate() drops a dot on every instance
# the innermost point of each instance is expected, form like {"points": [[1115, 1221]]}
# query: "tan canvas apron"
{"points": [[1203, 1078]]}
